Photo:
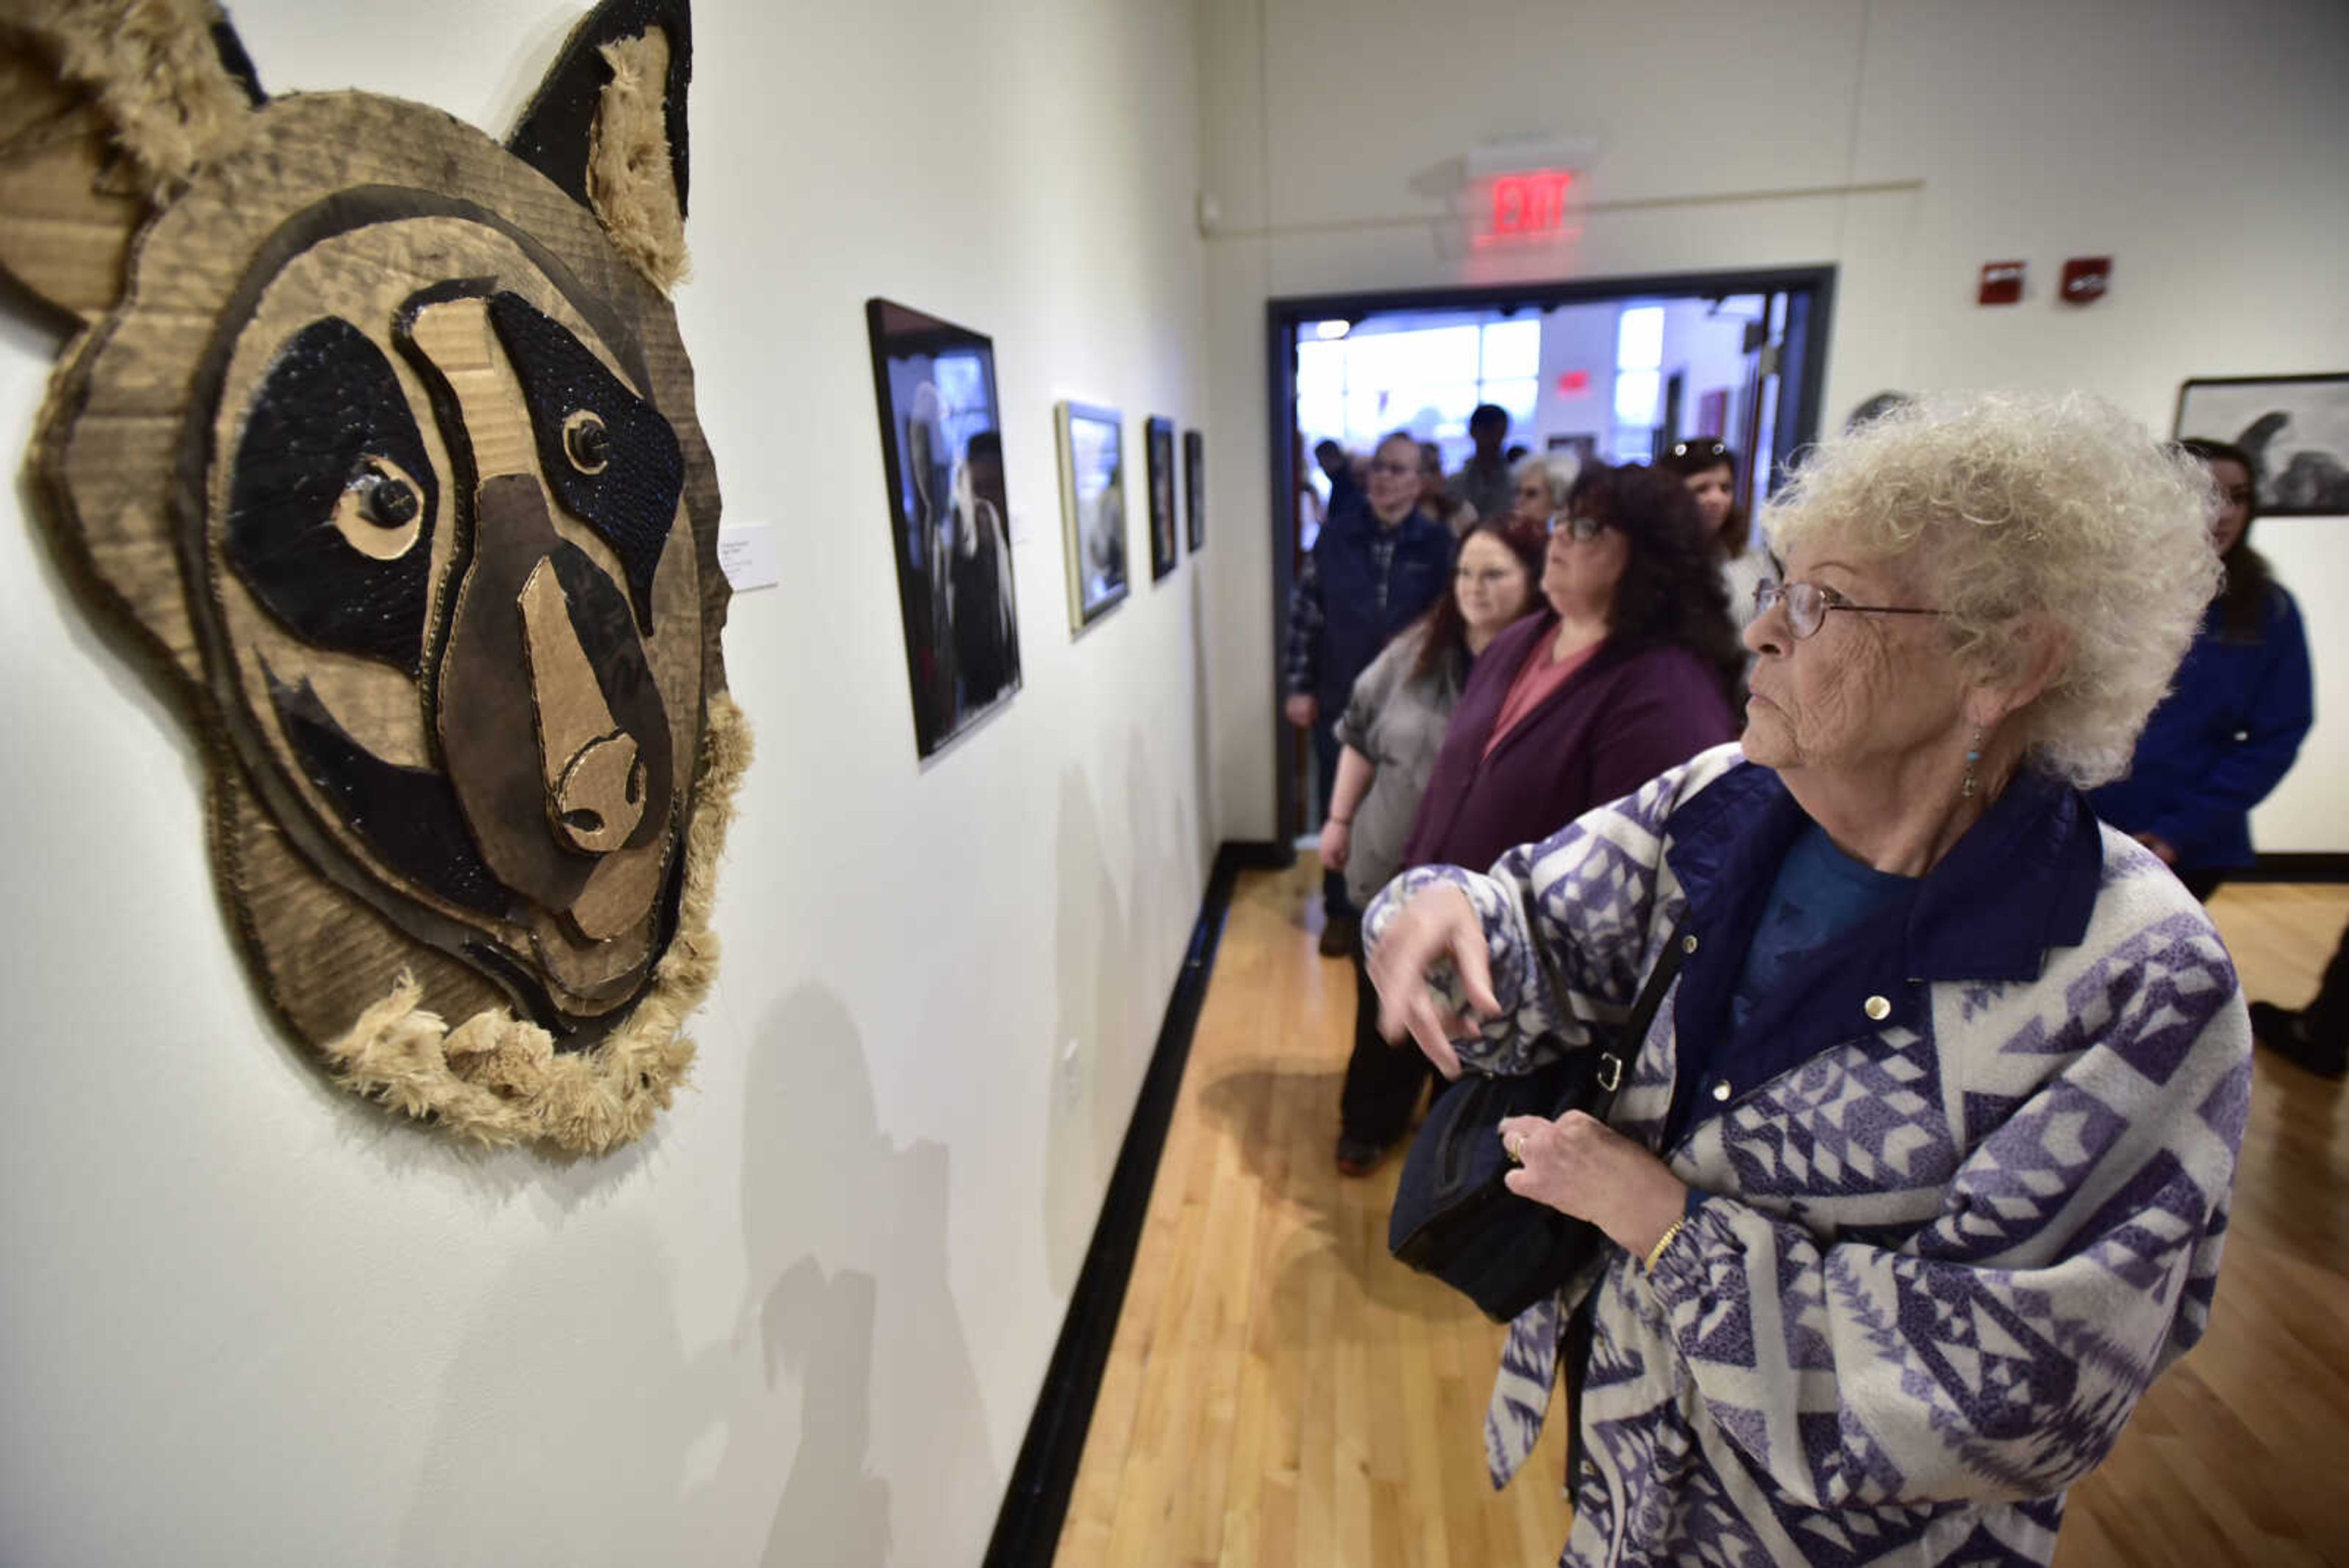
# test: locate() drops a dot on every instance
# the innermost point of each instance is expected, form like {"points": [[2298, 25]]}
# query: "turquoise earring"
{"points": [[1967, 790]]}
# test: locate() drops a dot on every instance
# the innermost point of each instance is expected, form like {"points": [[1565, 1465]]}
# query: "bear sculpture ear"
{"points": [[608, 126], [107, 106]]}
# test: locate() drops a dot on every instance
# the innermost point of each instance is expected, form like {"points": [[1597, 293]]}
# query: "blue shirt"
{"points": [[1818, 894], [2021, 880]]}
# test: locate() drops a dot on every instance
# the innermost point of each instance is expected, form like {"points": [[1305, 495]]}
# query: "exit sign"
{"points": [[1528, 206]]}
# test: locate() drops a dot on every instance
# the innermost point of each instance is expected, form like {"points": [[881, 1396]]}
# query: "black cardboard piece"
{"points": [[553, 133]]}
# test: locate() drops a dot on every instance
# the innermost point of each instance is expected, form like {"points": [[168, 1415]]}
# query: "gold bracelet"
{"points": [[1656, 1252]]}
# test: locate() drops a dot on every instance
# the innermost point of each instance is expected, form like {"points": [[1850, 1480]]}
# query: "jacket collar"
{"points": [[1360, 519], [2021, 880], [1538, 629]]}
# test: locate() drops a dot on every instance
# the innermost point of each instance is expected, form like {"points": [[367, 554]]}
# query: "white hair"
{"points": [[2024, 513], [1558, 469]]}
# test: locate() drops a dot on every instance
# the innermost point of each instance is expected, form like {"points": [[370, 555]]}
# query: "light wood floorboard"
{"points": [[1281, 1394]]}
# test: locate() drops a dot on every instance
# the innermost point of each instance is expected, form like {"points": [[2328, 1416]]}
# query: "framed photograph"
{"points": [[2295, 428], [1713, 413], [1194, 488], [1158, 441], [1092, 509], [942, 446]]}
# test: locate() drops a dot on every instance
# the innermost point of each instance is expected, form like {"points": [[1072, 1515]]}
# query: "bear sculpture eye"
{"points": [[330, 494], [390, 502], [586, 442], [381, 514]]}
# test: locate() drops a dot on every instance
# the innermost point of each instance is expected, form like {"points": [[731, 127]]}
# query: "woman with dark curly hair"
{"points": [[1627, 672]]}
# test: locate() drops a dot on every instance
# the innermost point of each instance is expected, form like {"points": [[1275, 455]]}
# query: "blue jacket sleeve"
{"points": [[2245, 773]]}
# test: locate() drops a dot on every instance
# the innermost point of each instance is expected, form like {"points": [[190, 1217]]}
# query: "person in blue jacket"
{"points": [[1378, 564], [2244, 701]]}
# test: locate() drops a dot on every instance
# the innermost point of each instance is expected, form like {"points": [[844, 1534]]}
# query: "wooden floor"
{"points": [[1280, 1392]]}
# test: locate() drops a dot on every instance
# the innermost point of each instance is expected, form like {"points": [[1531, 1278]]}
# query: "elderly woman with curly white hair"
{"points": [[1919, 1176]]}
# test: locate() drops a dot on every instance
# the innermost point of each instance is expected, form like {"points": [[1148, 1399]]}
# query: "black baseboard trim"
{"points": [[2312, 866], [1028, 1529], [1256, 855]]}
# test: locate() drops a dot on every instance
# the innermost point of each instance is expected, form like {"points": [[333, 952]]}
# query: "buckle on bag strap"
{"points": [[1611, 1070]]}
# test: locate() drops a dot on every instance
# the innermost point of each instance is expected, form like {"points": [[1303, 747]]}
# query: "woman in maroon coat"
{"points": [[1630, 670]]}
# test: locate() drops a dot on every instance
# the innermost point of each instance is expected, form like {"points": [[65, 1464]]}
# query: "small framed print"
{"points": [[1158, 441], [2295, 430], [1194, 488], [1092, 509]]}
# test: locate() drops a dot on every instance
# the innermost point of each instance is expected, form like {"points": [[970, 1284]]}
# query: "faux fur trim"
{"points": [[155, 72], [499, 1081], [629, 179]]}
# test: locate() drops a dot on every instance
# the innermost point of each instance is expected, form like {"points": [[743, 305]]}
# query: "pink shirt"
{"points": [[1537, 678]]}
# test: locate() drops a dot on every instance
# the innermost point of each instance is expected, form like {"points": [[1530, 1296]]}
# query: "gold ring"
{"points": [[1514, 1147]]}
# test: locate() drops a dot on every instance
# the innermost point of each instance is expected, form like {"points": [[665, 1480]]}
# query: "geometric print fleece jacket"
{"points": [[1948, 1220]]}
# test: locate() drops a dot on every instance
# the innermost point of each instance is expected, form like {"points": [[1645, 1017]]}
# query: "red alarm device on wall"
{"points": [[2085, 278], [2002, 284]]}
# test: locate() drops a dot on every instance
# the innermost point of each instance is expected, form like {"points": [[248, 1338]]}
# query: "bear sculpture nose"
{"points": [[594, 779], [600, 797]]}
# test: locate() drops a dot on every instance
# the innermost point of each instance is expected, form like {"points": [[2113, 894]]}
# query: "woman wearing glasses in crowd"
{"points": [[1626, 671], [1710, 470], [1390, 734], [1918, 1178], [2232, 722], [1541, 482]]}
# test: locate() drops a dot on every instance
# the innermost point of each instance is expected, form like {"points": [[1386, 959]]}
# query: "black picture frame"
{"points": [[1092, 509], [942, 456], [1158, 445], [1194, 489], [2295, 428]]}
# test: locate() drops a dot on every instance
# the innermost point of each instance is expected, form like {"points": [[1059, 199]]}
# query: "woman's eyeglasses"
{"points": [[1808, 605], [1580, 529]]}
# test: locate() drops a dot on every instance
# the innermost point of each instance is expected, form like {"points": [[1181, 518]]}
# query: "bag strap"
{"points": [[1611, 1063]]}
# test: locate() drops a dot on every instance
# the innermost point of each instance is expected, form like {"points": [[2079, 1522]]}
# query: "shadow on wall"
{"points": [[1095, 969], [1117, 966], [838, 1421], [891, 1461], [1203, 777], [567, 1413], [822, 1329]]}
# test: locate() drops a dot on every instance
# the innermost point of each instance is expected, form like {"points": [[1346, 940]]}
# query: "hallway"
{"points": [[1281, 1392]]}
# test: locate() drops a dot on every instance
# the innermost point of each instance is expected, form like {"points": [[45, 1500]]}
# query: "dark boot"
{"points": [[2286, 1033]]}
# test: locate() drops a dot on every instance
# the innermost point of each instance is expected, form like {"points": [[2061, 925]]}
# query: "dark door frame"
{"points": [[1807, 377]]}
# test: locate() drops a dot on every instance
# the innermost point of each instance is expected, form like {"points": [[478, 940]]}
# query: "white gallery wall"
{"points": [[1904, 142], [249, 1320]]}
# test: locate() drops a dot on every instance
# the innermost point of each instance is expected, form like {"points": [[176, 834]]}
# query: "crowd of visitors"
{"points": [[2005, 680]]}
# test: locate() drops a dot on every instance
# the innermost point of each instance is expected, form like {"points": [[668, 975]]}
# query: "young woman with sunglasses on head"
{"points": [[1710, 470]]}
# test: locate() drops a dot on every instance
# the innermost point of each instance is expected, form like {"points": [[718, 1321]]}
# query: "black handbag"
{"points": [[1454, 1216]]}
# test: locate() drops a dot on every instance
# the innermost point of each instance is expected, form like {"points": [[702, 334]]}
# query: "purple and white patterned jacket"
{"points": [[1958, 1194]]}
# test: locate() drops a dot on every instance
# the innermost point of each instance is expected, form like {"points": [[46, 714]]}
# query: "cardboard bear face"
{"points": [[387, 443]]}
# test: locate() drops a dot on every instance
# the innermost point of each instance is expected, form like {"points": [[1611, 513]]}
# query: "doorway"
{"points": [[1612, 369]]}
